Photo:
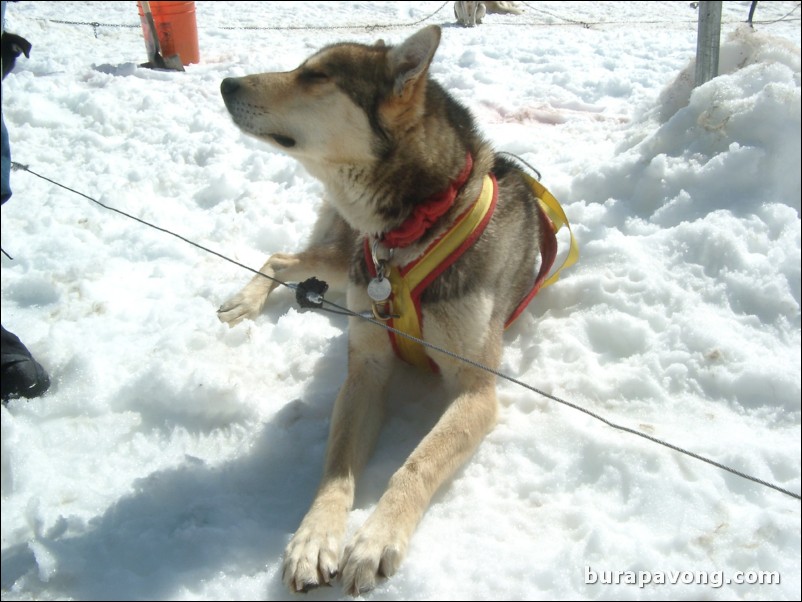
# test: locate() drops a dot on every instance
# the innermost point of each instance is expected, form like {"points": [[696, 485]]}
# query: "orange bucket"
{"points": [[176, 27]]}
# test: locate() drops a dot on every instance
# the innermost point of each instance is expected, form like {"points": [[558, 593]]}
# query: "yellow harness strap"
{"points": [[552, 218], [409, 281], [557, 216]]}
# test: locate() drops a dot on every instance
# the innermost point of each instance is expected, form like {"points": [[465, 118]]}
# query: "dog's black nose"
{"points": [[229, 86]]}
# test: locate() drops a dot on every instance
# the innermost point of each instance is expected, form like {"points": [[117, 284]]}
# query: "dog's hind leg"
{"points": [[312, 556], [379, 545]]}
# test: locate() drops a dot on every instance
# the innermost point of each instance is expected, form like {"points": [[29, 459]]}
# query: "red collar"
{"points": [[427, 213]]}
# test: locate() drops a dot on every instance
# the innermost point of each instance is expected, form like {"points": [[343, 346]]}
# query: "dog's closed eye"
{"points": [[311, 76]]}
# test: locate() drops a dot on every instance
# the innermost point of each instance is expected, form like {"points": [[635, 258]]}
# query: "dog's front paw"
{"points": [[311, 559], [248, 303], [376, 551]]}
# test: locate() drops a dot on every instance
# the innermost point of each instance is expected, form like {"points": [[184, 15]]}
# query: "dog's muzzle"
{"points": [[243, 113], [228, 89], [229, 86]]}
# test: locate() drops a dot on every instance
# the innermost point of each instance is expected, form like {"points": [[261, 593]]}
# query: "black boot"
{"points": [[20, 374]]}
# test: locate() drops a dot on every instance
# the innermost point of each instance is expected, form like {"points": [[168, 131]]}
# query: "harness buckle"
{"points": [[378, 262], [383, 310]]}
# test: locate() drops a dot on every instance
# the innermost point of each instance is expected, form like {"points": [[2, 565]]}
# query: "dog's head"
{"points": [[13, 46], [342, 104]]}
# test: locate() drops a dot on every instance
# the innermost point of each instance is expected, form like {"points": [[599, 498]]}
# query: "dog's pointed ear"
{"points": [[410, 60]]}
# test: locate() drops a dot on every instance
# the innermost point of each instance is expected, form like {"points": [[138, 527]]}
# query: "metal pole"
{"points": [[752, 12], [707, 42]]}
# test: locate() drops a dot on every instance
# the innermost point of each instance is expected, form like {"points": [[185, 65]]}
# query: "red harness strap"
{"points": [[548, 253], [409, 281], [426, 214]]}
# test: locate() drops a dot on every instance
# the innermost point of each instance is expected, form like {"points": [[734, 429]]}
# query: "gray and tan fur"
{"points": [[382, 137]]}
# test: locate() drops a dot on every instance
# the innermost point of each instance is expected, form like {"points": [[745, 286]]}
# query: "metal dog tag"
{"points": [[379, 289]]}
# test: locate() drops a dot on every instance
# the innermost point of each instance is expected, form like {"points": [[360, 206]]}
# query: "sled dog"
{"points": [[403, 168]]}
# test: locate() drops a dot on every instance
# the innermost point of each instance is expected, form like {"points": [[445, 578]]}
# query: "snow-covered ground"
{"points": [[173, 457]]}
